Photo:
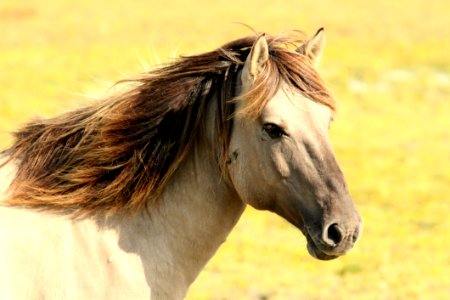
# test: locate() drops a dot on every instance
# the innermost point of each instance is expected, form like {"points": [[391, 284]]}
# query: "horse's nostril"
{"points": [[355, 235], [333, 235]]}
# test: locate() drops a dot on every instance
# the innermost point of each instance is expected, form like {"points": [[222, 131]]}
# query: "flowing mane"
{"points": [[118, 154]]}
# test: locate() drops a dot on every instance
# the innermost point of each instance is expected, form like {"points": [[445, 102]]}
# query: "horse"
{"points": [[130, 196]]}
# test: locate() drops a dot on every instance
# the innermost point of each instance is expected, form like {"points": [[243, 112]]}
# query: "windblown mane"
{"points": [[118, 154]]}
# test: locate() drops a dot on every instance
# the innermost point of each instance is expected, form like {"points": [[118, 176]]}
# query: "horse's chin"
{"points": [[313, 249], [317, 253]]}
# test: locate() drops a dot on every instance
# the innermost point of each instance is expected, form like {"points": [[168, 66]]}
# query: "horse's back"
{"points": [[44, 256]]}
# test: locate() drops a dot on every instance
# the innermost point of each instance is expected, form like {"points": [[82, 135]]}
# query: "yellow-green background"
{"points": [[388, 63]]}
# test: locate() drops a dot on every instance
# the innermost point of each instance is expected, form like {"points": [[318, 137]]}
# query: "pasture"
{"points": [[388, 65]]}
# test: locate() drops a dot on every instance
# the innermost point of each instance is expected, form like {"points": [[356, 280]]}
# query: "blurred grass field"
{"points": [[388, 63]]}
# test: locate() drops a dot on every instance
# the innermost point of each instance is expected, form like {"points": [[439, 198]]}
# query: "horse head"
{"points": [[282, 159]]}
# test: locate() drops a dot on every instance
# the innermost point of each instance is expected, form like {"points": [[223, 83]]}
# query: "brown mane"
{"points": [[118, 154]]}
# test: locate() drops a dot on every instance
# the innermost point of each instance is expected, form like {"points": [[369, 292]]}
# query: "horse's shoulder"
{"points": [[62, 258]]}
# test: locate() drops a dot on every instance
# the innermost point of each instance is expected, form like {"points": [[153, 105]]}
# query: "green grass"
{"points": [[389, 67]]}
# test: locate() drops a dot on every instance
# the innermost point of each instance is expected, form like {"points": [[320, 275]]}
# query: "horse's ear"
{"points": [[256, 59], [313, 47]]}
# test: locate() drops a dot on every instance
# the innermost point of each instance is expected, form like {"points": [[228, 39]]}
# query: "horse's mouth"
{"points": [[312, 247], [315, 252]]}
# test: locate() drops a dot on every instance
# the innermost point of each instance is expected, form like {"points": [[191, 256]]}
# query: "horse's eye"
{"points": [[274, 131]]}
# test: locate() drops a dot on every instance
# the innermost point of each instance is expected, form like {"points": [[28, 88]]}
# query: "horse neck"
{"points": [[194, 215]]}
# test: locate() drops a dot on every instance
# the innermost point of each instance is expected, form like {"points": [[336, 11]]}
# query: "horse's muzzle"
{"points": [[332, 241]]}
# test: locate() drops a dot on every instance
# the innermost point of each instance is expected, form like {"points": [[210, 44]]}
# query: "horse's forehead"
{"points": [[292, 106]]}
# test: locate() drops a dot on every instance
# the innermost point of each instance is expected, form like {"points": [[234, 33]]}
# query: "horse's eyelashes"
{"points": [[273, 130]]}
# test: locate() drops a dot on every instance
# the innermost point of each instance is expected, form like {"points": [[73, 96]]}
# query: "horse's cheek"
{"points": [[281, 164], [246, 185]]}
